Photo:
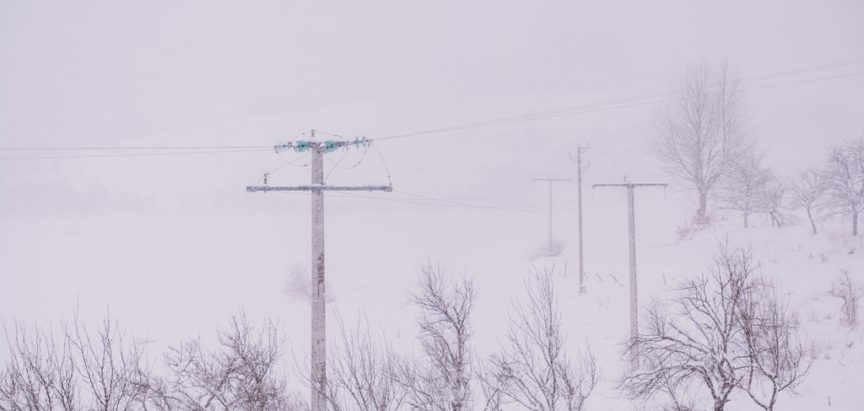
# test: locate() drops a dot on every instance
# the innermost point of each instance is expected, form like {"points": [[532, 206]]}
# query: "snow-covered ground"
{"points": [[170, 277]]}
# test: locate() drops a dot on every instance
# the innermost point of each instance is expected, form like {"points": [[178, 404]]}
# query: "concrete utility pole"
{"points": [[631, 224], [317, 149], [550, 180], [580, 169]]}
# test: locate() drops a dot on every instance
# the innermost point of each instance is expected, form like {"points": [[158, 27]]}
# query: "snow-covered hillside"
{"points": [[198, 270]]}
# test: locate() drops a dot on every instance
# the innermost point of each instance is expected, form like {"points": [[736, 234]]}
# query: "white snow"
{"points": [[171, 277]]}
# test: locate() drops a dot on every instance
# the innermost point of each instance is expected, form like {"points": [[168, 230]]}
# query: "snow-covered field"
{"points": [[171, 277]]}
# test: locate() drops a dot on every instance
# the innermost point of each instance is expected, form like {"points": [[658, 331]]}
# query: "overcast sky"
{"points": [[225, 72]]}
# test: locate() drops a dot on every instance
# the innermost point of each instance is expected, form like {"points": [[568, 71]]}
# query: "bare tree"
{"points": [[40, 373], [367, 370], [493, 382], [241, 375], [680, 394], [745, 186], [534, 369], [777, 353], [808, 193], [850, 295], [102, 370], [845, 180], [771, 199], [702, 130], [699, 339], [444, 383], [110, 367]]}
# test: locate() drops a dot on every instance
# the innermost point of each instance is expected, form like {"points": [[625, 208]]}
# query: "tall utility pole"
{"points": [[580, 169], [317, 149], [550, 180], [631, 224]]}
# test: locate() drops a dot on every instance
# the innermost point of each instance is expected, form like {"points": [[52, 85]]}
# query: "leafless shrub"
{"points": [[850, 294], [750, 188], [844, 176], [808, 193], [702, 130], [110, 368], [443, 382], [743, 186], [777, 353], [772, 198], [690, 228], [241, 375], [100, 369], [367, 370], [40, 373], [696, 339], [534, 371]]}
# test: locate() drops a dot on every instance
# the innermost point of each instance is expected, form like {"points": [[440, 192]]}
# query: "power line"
{"points": [[603, 105], [634, 101], [116, 155], [130, 148], [433, 203], [423, 200]]}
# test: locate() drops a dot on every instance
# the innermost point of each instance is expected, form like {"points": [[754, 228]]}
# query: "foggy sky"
{"points": [[220, 72]]}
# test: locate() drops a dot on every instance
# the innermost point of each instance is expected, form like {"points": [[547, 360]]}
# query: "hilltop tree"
{"points": [[808, 193], [844, 176], [703, 130], [771, 198]]}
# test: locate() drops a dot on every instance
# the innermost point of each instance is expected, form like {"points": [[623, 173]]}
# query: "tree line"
{"points": [[103, 369], [703, 138], [722, 331]]}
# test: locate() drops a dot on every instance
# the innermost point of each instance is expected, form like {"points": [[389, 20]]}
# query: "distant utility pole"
{"points": [[631, 220], [317, 149], [580, 169], [550, 180]]}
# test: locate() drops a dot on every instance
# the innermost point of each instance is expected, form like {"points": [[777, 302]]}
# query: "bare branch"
{"points": [[703, 130], [534, 371], [445, 330]]}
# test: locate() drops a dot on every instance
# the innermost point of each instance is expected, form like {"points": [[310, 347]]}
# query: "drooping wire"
{"points": [[386, 167], [286, 163], [337, 163], [334, 135]]}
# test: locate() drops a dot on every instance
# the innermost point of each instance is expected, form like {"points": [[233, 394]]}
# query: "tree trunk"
{"points": [[719, 405], [775, 219], [812, 223], [701, 214], [855, 224], [746, 220]]}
